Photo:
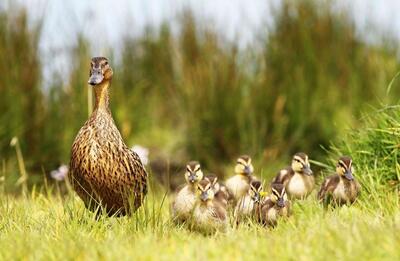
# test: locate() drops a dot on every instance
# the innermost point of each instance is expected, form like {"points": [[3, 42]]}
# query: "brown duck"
{"points": [[298, 178], [103, 170], [340, 188], [275, 207]]}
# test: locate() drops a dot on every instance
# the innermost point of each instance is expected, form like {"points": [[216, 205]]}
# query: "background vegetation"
{"points": [[193, 95]]}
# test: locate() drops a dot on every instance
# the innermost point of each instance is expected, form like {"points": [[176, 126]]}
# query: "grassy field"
{"points": [[45, 226]]}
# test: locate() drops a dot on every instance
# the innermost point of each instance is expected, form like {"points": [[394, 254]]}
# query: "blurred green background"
{"points": [[192, 94]]}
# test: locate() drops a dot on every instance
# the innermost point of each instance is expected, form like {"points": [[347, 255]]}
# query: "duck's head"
{"points": [[205, 191], [100, 71], [214, 181], [344, 167], [244, 166], [193, 172], [278, 195], [255, 191], [300, 163]]}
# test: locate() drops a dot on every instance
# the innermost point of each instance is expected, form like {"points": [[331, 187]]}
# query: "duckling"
{"points": [[341, 187], [220, 190], [247, 205], [186, 197], [275, 206], [239, 184], [209, 215], [298, 178], [103, 170]]}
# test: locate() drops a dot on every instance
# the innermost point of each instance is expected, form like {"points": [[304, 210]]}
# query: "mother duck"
{"points": [[103, 170]]}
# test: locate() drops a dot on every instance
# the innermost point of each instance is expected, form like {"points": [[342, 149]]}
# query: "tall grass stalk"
{"points": [[23, 179]]}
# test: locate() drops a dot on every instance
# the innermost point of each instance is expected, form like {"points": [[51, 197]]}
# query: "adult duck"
{"points": [[104, 172]]}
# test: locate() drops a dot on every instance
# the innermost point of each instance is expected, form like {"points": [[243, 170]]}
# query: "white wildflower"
{"points": [[60, 173], [142, 152]]}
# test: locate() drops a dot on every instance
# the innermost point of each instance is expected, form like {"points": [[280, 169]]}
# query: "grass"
{"points": [[50, 225], [47, 226]]}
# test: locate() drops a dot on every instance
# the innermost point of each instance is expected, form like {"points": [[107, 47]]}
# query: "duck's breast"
{"points": [[184, 201], [238, 186], [296, 186], [339, 193]]}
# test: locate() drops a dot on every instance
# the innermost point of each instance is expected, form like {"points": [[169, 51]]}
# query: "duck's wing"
{"points": [[328, 186], [283, 176], [136, 174], [219, 212]]}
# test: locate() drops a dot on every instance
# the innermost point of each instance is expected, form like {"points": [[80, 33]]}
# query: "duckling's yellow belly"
{"points": [[184, 203], [299, 186], [204, 218], [272, 215], [339, 194], [244, 207], [237, 186]]}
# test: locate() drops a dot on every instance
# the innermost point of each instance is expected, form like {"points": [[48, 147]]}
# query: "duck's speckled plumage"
{"points": [[339, 188], [103, 170], [298, 184]]}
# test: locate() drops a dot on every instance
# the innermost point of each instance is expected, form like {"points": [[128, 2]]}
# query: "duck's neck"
{"points": [[102, 97]]}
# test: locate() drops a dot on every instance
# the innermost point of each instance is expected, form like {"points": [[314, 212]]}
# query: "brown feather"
{"points": [[103, 170]]}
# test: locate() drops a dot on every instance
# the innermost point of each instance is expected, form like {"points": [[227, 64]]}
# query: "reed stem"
{"points": [[23, 179]]}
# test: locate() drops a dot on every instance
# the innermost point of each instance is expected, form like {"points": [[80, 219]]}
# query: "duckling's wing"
{"points": [[328, 186], [219, 212], [179, 188], [283, 176]]}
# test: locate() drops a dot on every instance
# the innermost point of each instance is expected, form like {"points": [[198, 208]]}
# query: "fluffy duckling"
{"points": [[274, 207], [247, 205], [239, 184], [298, 178], [186, 197], [209, 215], [341, 187], [220, 190]]}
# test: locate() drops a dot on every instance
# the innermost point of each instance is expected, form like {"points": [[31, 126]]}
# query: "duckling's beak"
{"points": [[96, 77], [307, 170], [247, 170], [281, 203], [204, 196], [348, 175], [256, 198], [192, 179]]}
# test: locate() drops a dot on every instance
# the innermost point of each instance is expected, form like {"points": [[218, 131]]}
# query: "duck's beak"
{"points": [[256, 198], [247, 170], [204, 196], [348, 175], [307, 170], [96, 77], [281, 203], [192, 179]]}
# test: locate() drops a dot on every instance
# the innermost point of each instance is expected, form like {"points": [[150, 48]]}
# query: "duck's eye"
{"points": [[106, 63]]}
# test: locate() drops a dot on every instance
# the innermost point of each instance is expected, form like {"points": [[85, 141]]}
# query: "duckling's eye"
{"points": [[106, 63]]}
